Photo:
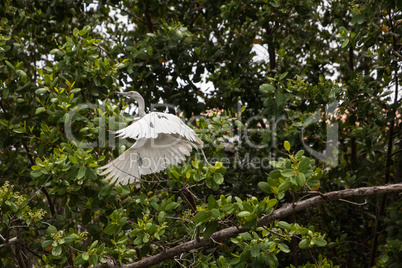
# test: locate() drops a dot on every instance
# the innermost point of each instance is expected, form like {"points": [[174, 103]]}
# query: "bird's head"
{"points": [[131, 94], [135, 96]]}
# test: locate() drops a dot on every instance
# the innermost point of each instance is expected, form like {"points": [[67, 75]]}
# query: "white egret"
{"points": [[161, 139]]}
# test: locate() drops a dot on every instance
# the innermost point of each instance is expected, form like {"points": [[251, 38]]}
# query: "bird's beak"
{"points": [[120, 93]]}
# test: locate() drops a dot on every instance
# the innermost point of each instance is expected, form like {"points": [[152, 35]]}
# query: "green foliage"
{"points": [[262, 112], [14, 209], [293, 173], [391, 251]]}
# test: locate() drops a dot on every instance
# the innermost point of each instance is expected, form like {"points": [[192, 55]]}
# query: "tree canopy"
{"points": [[297, 103]]}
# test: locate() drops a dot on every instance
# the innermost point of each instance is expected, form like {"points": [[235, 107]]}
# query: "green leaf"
{"points": [[47, 243], [357, 18], [9, 64], [255, 250], [150, 51], [243, 214], [210, 229], [215, 213], [105, 191], [68, 240], [271, 203], [110, 228], [85, 256], [120, 66], [211, 202], [218, 165], [281, 77], [218, 178], [289, 172], [320, 242], [21, 73], [345, 43], [75, 188], [284, 248], [227, 207], [100, 249], [284, 186], [264, 186], [342, 30], [72, 159], [82, 32], [145, 238], [312, 183], [239, 124], [284, 225], [75, 90], [56, 251], [76, 32], [130, 48], [62, 190], [301, 179], [304, 164], [171, 206], [303, 244], [36, 173], [201, 216], [94, 260], [93, 245], [41, 90], [91, 174], [54, 51], [274, 174], [81, 172], [13, 207], [286, 144], [267, 88], [79, 260], [51, 229], [300, 153], [197, 50]]}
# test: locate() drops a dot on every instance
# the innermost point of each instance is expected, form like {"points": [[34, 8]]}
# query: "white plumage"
{"points": [[162, 139]]}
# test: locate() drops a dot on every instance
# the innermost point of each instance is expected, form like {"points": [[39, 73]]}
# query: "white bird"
{"points": [[162, 139]]}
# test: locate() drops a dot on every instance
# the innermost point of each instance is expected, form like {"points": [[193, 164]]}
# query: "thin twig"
{"points": [[173, 218], [278, 234], [397, 54], [354, 203]]}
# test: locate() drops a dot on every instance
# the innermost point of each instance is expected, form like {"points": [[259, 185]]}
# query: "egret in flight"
{"points": [[161, 139]]}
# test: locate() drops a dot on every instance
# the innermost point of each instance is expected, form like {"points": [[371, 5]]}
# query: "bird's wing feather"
{"points": [[146, 156], [153, 124]]}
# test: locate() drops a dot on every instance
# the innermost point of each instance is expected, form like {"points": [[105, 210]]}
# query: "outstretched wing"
{"points": [[147, 156], [154, 124]]}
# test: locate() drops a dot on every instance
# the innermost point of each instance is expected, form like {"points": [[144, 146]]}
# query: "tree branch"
{"points": [[9, 243], [148, 19], [282, 212]]}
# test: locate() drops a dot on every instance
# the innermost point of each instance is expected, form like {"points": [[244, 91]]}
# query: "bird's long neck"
{"points": [[141, 106]]}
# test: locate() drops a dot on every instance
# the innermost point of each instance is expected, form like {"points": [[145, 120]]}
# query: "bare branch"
{"points": [[10, 242]]}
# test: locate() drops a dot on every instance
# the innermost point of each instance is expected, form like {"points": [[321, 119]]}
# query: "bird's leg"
{"points": [[189, 198], [205, 158]]}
